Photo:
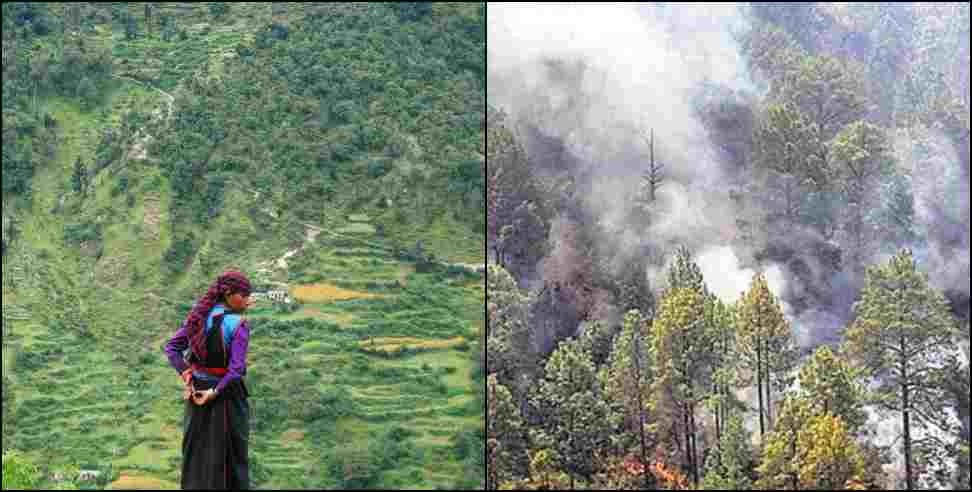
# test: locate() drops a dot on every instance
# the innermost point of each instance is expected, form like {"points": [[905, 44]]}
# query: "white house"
{"points": [[274, 295], [88, 475]]}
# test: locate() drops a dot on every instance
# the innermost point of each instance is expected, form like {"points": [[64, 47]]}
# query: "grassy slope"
{"points": [[115, 401]]}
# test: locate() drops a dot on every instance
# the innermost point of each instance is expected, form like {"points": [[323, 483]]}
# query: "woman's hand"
{"points": [[204, 397]]}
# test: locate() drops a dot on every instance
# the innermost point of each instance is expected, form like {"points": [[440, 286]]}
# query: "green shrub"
{"points": [[77, 233], [355, 466], [19, 472]]}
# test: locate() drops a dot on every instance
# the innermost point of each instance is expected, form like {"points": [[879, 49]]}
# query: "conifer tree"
{"points": [[627, 383], [764, 343], [506, 444], [729, 465], [902, 336], [575, 412], [682, 345]]}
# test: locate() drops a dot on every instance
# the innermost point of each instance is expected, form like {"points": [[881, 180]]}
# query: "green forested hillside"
{"points": [[334, 151]]}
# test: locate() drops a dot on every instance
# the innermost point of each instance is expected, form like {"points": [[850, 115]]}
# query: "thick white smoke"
{"points": [[621, 70]]}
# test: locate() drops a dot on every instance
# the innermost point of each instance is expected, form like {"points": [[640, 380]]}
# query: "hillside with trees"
{"points": [[728, 247], [330, 151]]}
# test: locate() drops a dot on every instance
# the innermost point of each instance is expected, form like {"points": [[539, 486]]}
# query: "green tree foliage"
{"points": [[544, 473], [860, 156], [19, 472], [506, 438], [895, 217], [764, 343], [516, 222], [830, 91], [9, 400], [219, 9], [831, 386], [684, 273], [598, 339], [340, 93], [682, 345], [131, 26], [802, 20], [167, 26], [32, 71], [773, 55], [902, 335], [627, 381], [79, 180], [508, 336], [412, 11], [632, 290], [963, 474], [891, 29], [354, 467], [721, 401], [87, 92], [808, 451], [575, 414], [730, 465], [790, 151]]}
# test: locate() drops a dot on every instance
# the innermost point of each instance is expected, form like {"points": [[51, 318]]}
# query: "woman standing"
{"points": [[216, 427]]}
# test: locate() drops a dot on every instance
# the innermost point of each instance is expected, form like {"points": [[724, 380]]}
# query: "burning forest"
{"points": [[728, 246]]}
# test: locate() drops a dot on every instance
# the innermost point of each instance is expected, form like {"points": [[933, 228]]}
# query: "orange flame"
{"points": [[671, 479]]}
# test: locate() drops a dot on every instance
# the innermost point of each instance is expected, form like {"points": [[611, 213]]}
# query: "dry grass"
{"points": [[392, 344], [129, 482], [404, 271], [327, 293], [152, 218], [292, 436]]}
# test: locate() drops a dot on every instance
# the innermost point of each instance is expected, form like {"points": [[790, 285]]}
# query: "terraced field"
{"points": [[323, 399], [84, 323], [427, 390]]}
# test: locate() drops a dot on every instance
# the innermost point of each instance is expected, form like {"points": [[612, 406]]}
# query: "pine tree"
{"points": [[809, 451], [861, 156], [506, 444], [729, 466], [627, 383], [830, 91], [789, 150], [516, 222], [720, 320], [764, 344], [509, 344], [575, 414], [632, 290], [684, 273], [682, 345], [831, 386], [902, 335]]}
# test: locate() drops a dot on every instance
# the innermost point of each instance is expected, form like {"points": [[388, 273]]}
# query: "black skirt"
{"points": [[215, 442], [216, 435]]}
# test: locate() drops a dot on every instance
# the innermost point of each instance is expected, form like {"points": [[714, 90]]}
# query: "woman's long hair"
{"points": [[227, 283]]}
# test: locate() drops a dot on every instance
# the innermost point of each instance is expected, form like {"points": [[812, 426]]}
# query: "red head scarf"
{"points": [[227, 283]]}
